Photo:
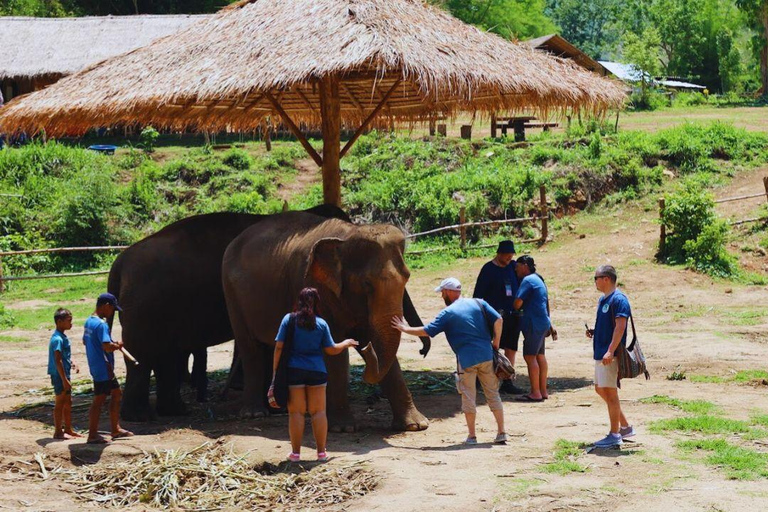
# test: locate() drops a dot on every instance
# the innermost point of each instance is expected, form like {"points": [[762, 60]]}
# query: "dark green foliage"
{"points": [[238, 159], [148, 138]]}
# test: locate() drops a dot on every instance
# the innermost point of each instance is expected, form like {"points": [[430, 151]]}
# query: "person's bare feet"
{"points": [[60, 436], [72, 434], [98, 440], [121, 433]]}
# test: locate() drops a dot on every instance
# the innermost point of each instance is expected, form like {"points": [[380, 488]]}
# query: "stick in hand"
{"points": [[128, 356]]}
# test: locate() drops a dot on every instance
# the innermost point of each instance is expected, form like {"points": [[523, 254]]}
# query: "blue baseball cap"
{"points": [[108, 298]]}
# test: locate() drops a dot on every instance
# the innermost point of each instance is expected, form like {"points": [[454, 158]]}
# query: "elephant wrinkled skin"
{"points": [[360, 274]]}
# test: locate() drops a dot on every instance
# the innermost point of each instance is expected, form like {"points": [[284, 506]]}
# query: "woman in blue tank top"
{"points": [[307, 376]]}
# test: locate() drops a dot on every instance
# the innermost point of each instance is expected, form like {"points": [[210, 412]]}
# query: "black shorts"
{"points": [[510, 332], [298, 378], [105, 387]]}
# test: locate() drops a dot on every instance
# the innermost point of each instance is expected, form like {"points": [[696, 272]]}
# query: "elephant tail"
{"points": [[113, 283]]}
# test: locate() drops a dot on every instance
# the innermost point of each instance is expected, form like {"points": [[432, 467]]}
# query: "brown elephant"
{"points": [[169, 286], [360, 274]]}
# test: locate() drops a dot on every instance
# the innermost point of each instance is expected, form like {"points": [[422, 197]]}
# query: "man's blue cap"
{"points": [[108, 298], [506, 247]]}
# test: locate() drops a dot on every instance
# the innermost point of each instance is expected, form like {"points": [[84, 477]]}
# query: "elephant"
{"points": [[169, 287], [360, 274]]}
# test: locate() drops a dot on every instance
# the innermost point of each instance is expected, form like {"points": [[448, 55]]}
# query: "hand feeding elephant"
{"points": [[361, 276], [169, 286]]}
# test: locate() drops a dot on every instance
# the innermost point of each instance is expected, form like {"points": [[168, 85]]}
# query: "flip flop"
{"points": [[528, 398], [122, 433], [98, 440]]}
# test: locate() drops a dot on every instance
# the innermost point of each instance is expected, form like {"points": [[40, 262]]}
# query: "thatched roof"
{"points": [[215, 73], [559, 46], [60, 46]]}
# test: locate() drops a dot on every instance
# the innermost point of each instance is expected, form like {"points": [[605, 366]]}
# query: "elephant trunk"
{"points": [[381, 352]]}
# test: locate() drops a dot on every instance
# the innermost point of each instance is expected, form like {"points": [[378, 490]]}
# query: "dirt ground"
{"points": [[686, 323]]}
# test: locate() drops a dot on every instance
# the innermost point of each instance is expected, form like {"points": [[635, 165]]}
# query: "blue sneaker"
{"points": [[609, 441]]}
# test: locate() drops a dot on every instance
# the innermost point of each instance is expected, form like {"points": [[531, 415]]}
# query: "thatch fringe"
{"points": [[213, 75]]}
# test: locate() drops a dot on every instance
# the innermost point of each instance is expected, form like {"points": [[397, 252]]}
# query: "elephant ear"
{"points": [[325, 264]]}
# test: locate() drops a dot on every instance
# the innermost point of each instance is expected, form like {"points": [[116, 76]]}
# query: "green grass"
{"points": [[747, 317], [689, 406], [566, 455], [759, 418], [740, 377], [65, 289], [703, 424], [739, 463], [696, 312], [42, 318], [11, 339]]}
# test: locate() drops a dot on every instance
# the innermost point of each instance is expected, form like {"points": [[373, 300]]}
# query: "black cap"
{"points": [[108, 298], [506, 247]]}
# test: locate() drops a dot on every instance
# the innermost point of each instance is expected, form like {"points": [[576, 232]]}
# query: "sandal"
{"points": [[294, 457], [322, 456], [98, 440], [528, 398]]}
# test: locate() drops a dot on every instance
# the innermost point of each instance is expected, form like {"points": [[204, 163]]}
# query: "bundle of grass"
{"points": [[212, 477]]}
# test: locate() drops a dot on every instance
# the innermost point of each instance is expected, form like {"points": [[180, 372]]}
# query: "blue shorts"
{"points": [[533, 343], [299, 378], [58, 384]]}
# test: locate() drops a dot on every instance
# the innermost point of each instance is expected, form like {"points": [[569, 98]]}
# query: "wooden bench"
{"points": [[518, 124]]}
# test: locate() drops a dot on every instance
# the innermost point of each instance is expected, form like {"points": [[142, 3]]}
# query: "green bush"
{"points": [[148, 138], [238, 159], [6, 318], [696, 237], [651, 100], [689, 99]]}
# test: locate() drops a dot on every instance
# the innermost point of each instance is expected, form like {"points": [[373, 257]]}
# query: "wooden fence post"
{"points": [[663, 228], [765, 184], [544, 209], [463, 229], [2, 283]]}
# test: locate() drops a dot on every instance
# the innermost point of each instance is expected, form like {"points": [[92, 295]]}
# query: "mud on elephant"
{"points": [[360, 274]]}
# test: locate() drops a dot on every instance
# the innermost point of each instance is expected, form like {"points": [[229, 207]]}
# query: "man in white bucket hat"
{"points": [[465, 327]]}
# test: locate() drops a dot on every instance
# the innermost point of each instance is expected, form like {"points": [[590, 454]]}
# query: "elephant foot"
{"points": [[253, 411], [137, 414], [410, 421], [172, 409], [342, 422], [202, 396]]}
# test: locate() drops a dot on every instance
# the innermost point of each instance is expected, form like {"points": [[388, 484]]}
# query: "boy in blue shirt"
{"points": [[100, 349], [59, 368], [613, 313]]}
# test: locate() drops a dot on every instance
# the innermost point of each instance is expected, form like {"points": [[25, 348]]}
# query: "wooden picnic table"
{"points": [[518, 125]]}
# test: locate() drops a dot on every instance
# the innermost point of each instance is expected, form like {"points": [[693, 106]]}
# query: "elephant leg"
{"points": [[169, 402], [254, 388], [183, 360], [200, 374], [340, 418], [405, 416], [135, 403]]}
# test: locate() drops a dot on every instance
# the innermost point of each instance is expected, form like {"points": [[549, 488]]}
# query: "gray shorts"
{"points": [[533, 343]]}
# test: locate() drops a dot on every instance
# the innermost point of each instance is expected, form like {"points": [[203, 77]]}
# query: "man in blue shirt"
{"points": [[465, 326], [59, 367], [613, 312], [100, 349], [497, 284]]}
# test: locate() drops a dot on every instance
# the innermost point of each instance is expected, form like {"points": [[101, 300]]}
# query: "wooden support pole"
{"points": [[466, 131], [295, 129], [268, 135], [493, 126], [368, 120], [544, 209], [442, 129], [330, 110], [432, 124], [662, 228], [463, 228]]}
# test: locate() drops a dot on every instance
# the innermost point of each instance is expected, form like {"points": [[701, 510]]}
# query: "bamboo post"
{"points": [[330, 109], [544, 213], [463, 228], [663, 228]]}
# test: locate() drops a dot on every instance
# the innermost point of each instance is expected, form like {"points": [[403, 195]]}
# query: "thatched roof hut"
{"points": [[316, 62], [559, 46], [35, 52]]}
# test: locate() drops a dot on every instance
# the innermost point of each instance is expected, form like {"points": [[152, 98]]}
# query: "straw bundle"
{"points": [[210, 477], [219, 74]]}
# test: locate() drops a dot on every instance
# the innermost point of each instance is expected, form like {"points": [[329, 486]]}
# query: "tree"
{"points": [[644, 53], [511, 19], [590, 25], [757, 13]]}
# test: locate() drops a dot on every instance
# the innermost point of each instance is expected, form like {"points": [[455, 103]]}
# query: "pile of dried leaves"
{"points": [[213, 477]]}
